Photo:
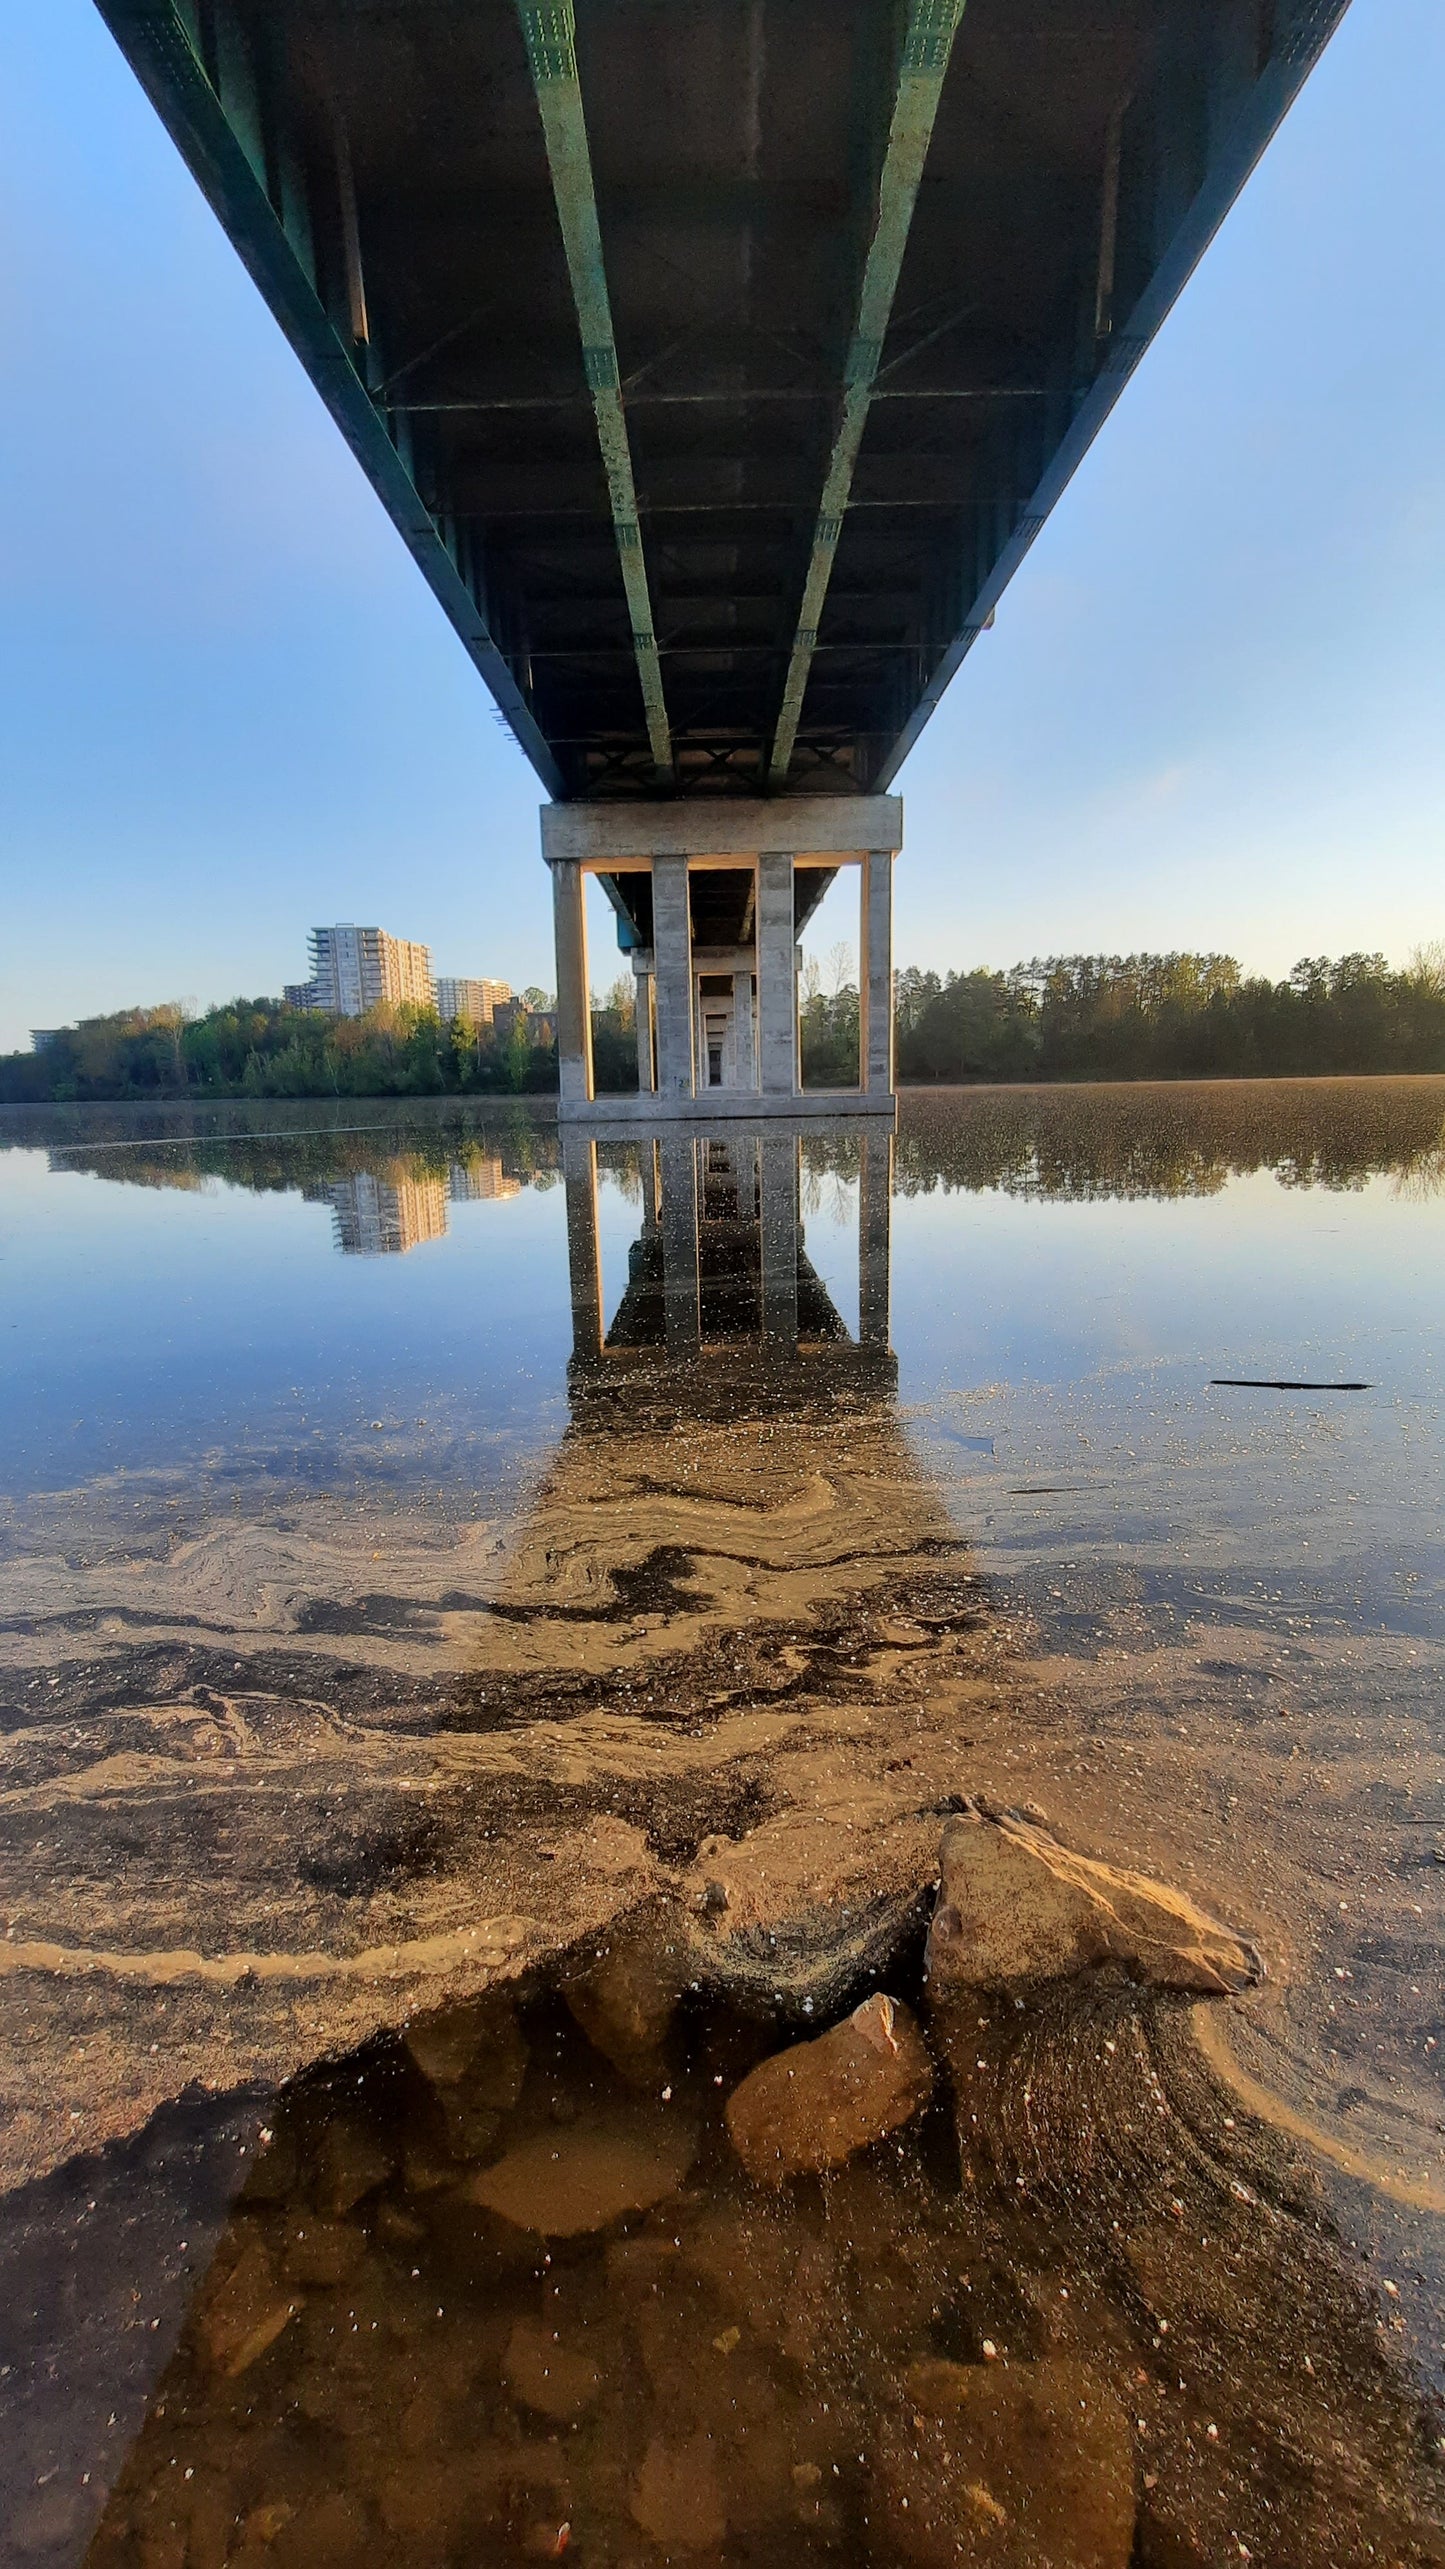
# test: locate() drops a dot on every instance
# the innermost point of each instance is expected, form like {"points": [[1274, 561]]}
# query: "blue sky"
{"points": [[1210, 712]]}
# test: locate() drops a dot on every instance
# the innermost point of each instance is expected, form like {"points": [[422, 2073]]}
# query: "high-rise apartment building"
{"points": [[472, 1001], [353, 969]]}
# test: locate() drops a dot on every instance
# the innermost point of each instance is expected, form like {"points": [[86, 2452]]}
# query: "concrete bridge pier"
{"points": [[711, 898]]}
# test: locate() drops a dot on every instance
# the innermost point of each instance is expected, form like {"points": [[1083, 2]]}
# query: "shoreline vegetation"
{"points": [[1060, 1019], [1075, 1141]]}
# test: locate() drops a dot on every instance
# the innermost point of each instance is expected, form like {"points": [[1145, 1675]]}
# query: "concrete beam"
{"points": [[672, 972], [875, 1067], [831, 827], [927, 45], [642, 986], [777, 978], [574, 1004], [551, 39], [625, 1111]]}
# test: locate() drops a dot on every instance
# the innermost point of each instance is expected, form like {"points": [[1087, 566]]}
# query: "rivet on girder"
{"points": [[550, 37], [931, 30]]}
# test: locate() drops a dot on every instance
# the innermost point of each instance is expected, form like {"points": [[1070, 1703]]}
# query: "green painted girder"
{"points": [[228, 162], [550, 34], [927, 45]]}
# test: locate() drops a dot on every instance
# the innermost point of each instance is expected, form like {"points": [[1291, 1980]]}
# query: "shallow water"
{"points": [[437, 1562]]}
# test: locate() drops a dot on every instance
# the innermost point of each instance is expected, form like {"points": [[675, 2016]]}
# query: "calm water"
{"points": [[492, 1636]]}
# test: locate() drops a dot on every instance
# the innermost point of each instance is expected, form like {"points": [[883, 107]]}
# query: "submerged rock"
{"points": [[1020, 2466], [474, 2059], [352, 2162], [479, 2042], [316, 2251], [676, 2497], [547, 2376], [626, 2003], [1015, 1907], [243, 2314], [563, 2183], [811, 2108]]}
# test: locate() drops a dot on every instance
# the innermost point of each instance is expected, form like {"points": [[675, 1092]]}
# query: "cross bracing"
{"points": [[719, 363]]}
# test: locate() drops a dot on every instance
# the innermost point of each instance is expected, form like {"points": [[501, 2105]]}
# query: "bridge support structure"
{"points": [[711, 898]]}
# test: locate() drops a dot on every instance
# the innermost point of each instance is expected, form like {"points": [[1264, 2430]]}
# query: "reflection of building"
{"points": [[472, 1001], [353, 969], [481, 1180], [380, 1216]]}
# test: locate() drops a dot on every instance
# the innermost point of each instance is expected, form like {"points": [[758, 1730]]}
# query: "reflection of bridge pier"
{"points": [[720, 1267]]}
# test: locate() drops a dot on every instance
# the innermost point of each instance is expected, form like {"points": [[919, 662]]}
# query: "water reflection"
{"points": [[485, 1872]]}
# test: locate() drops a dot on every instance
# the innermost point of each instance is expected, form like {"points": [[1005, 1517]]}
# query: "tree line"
{"points": [[262, 1048], [1148, 1016], [1059, 1018]]}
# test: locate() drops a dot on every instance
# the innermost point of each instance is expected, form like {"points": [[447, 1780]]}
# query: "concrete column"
{"points": [[777, 978], [778, 1190], [672, 977], [584, 1260], [876, 978], [745, 1070], [875, 1235], [643, 1000], [678, 1155], [574, 1013]]}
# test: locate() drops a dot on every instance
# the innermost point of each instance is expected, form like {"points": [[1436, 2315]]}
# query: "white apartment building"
{"points": [[353, 969], [472, 1001]]}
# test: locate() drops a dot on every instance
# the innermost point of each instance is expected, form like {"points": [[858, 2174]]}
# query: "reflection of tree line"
{"points": [[1173, 1138], [1065, 1143], [461, 1157]]}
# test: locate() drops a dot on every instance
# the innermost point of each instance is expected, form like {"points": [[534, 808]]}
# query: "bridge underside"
{"points": [[720, 361]]}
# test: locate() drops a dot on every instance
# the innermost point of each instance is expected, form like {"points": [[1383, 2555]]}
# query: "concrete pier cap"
{"points": [[711, 899]]}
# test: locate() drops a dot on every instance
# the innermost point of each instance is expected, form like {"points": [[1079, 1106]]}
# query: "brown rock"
{"points": [[353, 2162], [626, 2003], [480, 2041], [566, 2182], [676, 2497], [474, 2058], [330, 2534], [1014, 1907], [243, 2313], [1017, 2466], [316, 2251], [810, 2108], [546, 2375], [266, 2521]]}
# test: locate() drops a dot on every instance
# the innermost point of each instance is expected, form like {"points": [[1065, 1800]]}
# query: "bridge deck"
{"points": [[720, 361]]}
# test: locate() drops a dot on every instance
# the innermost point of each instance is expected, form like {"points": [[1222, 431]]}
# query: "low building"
{"points": [[472, 1001], [300, 994], [42, 1037], [537, 1025], [353, 969]]}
